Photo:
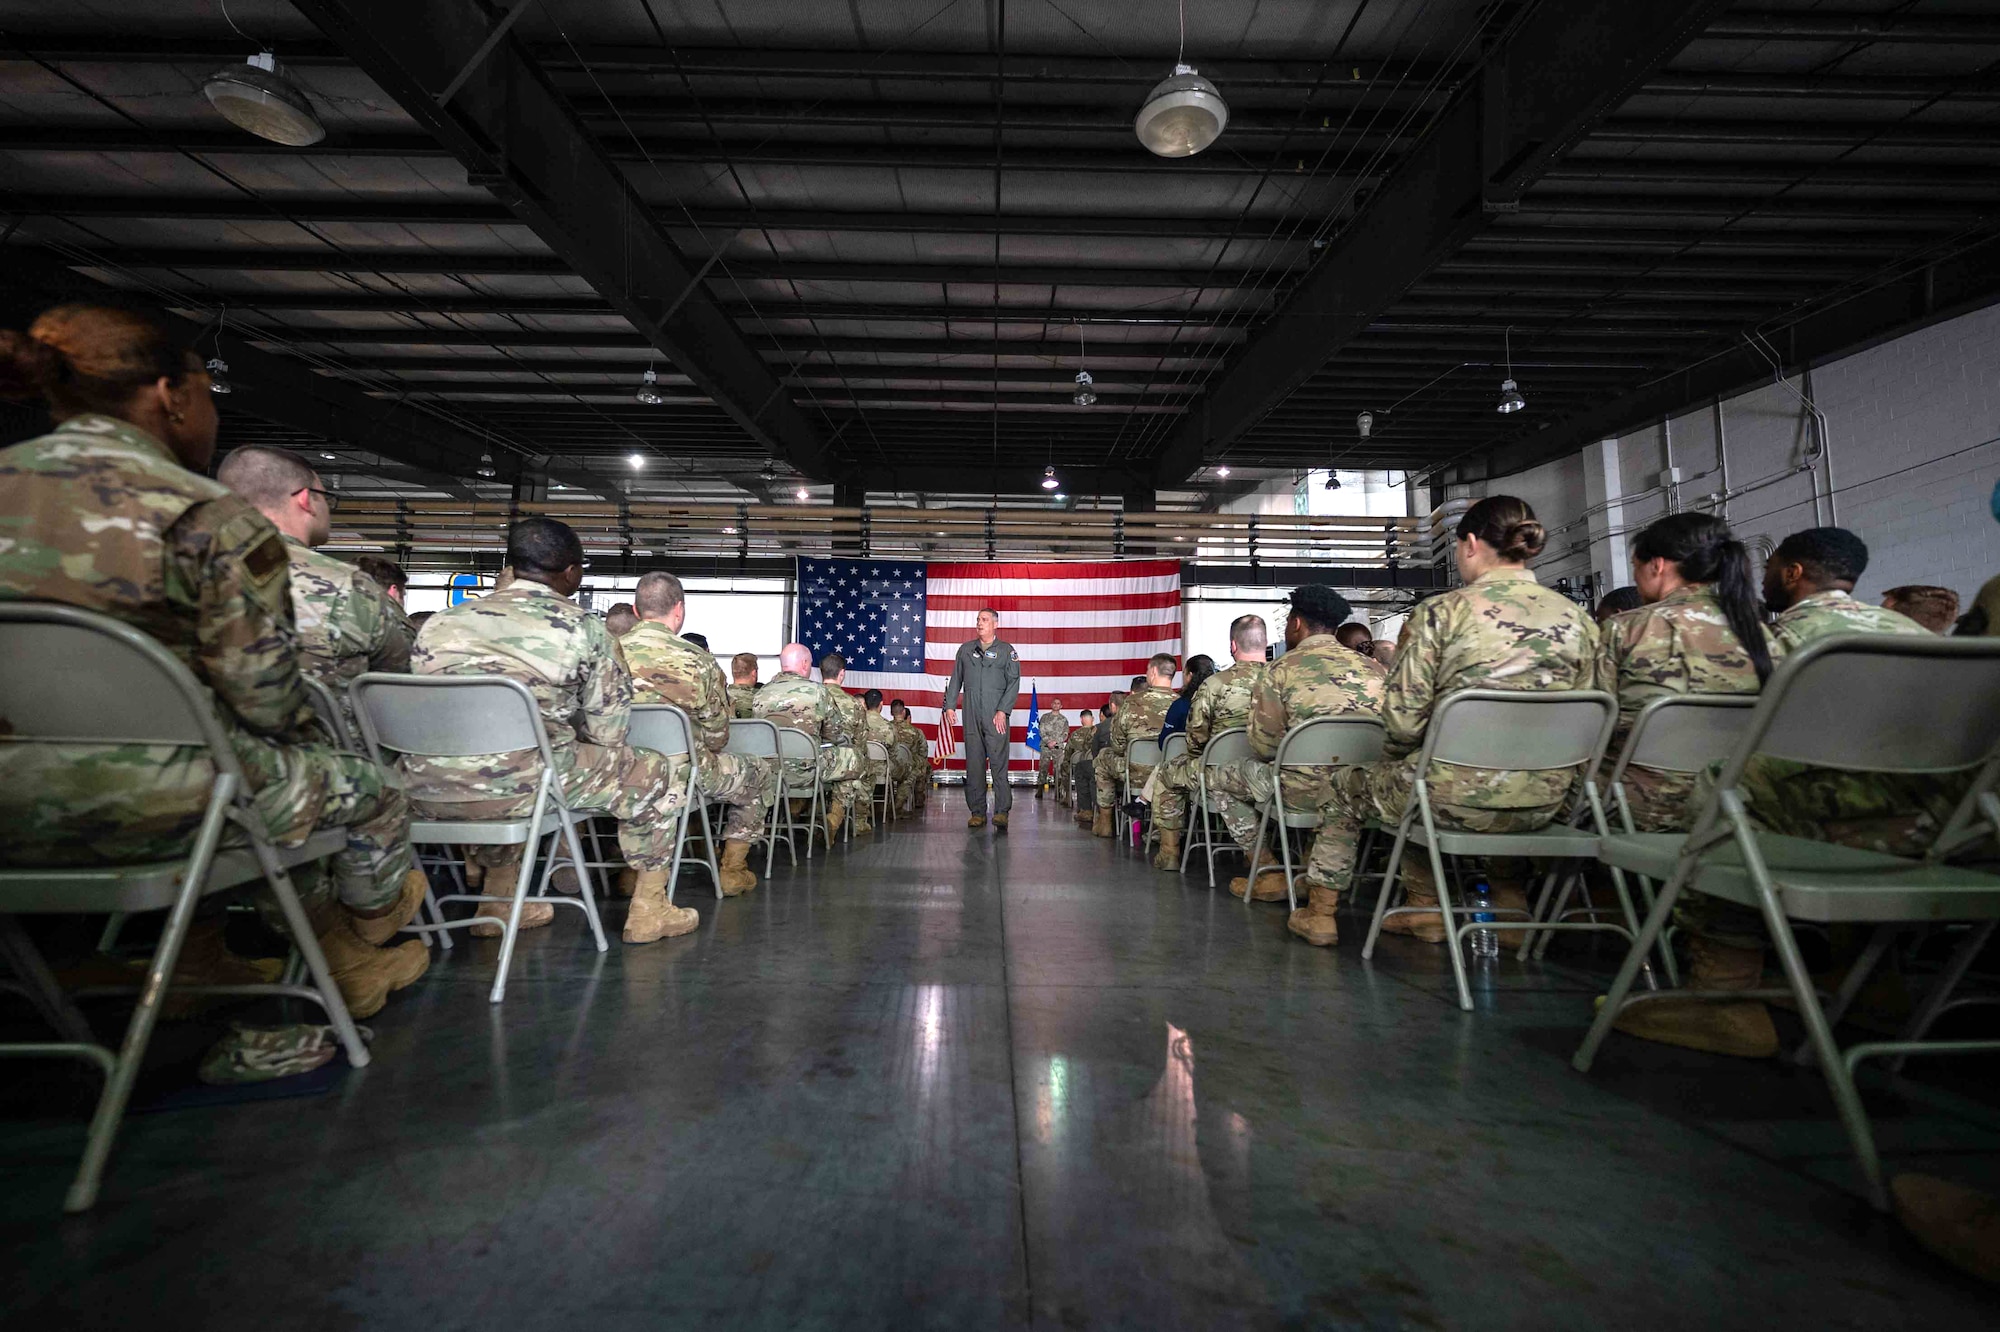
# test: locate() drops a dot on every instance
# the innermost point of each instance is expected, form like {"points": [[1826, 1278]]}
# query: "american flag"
{"points": [[1082, 630]]}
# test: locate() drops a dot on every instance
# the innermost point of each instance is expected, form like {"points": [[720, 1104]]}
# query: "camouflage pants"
{"points": [[1382, 791], [858, 792], [1173, 789], [643, 790], [1049, 764], [743, 783], [907, 771], [89, 805], [1242, 786], [1106, 767]]}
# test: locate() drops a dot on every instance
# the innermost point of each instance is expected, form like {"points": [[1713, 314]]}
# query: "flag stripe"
{"points": [[1011, 606], [961, 624]]}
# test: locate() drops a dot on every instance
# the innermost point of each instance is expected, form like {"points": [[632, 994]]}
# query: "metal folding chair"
{"points": [[1910, 707], [665, 729], [326, 705], [1175, 747], [1144, 750], [76, 678], [463, 716], [1505, 729], [1318, 742], [754, 737], [883, 798], [797, 746], [1223, 747]]}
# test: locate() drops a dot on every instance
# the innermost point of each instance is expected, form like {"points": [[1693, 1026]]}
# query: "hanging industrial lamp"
{"points": [[260, 97], [1084, 395], [218, 375], [1184, 113], [649, 388], [1049, 481], [1511, 400], [486, 467]]}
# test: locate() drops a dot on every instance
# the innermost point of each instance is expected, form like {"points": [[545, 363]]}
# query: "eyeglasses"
{"points": [[332, 499]]}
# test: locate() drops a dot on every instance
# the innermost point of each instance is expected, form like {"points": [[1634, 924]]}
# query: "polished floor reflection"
{"points": [[978, 1080]]}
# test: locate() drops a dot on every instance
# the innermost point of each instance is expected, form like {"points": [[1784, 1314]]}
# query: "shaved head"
{"points": [[265, 477], [796, 658], [657, 595]]}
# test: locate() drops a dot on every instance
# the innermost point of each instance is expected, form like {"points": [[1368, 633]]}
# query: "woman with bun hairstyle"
{"points": [[109, 512], [1501, 630]]}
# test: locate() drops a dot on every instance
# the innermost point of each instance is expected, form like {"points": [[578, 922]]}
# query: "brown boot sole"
{"points": [[1307, 925], [1413, 927], [1741, 1030], [666, 932]]}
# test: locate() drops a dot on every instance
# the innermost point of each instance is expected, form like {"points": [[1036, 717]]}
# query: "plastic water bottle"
{"points": [[1485, 941]]}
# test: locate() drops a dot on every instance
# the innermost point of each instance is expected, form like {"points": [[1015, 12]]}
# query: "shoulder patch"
{"points": [[266, 558]]}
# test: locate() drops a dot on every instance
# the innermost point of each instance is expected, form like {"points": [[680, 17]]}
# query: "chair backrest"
{"points": [[1520, 730], [1143, 751], [446, 716], [1176, 745], [74, 676], [753, 736], [1329, 742], [1880, 703], [796, 745], [662, 728], [1686, 732], [328, 708], [877, 751], [1226, 747]]}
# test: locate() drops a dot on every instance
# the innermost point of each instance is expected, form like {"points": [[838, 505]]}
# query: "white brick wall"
{"points": [[1915, 431]]}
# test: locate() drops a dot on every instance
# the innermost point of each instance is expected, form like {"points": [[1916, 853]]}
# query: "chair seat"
{"points": [[1820, 881], [491, 832], [1554, 840], [146, 887]]}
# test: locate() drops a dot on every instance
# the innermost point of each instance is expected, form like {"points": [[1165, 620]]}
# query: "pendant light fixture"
{"points": [[218, 369], [1049, 481], [260, 97], [1184, 113], [1085, 394], [486, 467], [1511, 400], [649, 388]]}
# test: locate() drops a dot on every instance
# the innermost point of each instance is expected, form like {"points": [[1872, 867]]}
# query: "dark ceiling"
{"points": [[873, 242]]}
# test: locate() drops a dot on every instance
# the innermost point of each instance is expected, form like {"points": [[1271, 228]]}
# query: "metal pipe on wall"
{"points": [[1721, 465]]}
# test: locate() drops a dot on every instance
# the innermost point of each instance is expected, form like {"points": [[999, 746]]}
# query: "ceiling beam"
{"points": [[1567, 65], [516, 136]]}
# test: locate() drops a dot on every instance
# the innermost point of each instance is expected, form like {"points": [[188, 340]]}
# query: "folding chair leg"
{"points": [[1628, 971], [56, 1007], [1257, 847], [1948, 980], [583, 877], [1453, 939], [306, 945], [1284, 855], [1390, 875], [512, 932], [1538, 941], [108, 940]]}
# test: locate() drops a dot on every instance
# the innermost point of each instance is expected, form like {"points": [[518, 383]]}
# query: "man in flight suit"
{"points": [[987, 677]]}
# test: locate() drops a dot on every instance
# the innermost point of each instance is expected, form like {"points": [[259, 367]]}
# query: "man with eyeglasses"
{"points": [[347, 624]]}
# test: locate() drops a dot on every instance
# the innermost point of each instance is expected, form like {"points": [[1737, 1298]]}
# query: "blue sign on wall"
{"points": [[464, 587]]}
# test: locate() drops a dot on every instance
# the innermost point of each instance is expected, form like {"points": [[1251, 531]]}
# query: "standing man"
{"points": [[1055, 740], [987, 678], [668, 667], [347, 625], [1139, 718], [742, 684]]}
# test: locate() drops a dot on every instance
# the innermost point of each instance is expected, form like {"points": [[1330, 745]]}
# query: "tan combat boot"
{"points": [[500, 882], [1083, 817], [652, 916], [365, 974], [1425, 925], [836, 814], [1100, 824], [1314, 922], [1959, 1225], [737, 876], [1270, 879], [378, 927], [1168, 857], [1000, 822], [1716, 1026]]}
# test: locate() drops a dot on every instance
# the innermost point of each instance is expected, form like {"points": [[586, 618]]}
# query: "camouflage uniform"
{"points": [[1501, 631], [347, 625], [740, 698], [1221, 703], [883, 732], [666, 668], [913, 753], [854, 790], [1054, 729], [789, 700], [1681, 644], [1139, 718], [98, 515], [564, 655], [1318, 678]]}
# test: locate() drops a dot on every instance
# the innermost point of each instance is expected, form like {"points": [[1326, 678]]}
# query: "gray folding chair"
{"points": [[1223, 747], [326, 705], [463, 716], [1144, 750], [1899, 706], [75, 678], [755, 737], [1520, 731], [665, 729], [1318, 742], [797, 746], [1175, 747], [884, 794]]}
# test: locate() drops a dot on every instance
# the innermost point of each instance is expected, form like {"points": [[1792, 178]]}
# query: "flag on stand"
{"points": [[1088, 627], [1033, 739]]}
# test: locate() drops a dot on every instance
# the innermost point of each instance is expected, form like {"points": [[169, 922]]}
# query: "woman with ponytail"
{"points": [[1501, 630]]}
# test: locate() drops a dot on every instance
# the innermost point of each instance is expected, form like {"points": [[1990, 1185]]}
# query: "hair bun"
{"points": [[1523, 540], [27, 366]]}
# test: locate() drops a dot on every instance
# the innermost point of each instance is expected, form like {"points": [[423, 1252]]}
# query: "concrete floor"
{"points": [[977, 1080]]}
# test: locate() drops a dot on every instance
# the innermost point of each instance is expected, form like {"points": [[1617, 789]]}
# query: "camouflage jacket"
{"points": [[1503, 630], [1139, 718], [1681, 644], [1824, 614], [1318, 678], [794, 701], [347, 625], [1054, 728], [1081, 736], [879, 728], [1222, 702], [560, 651], [856, 715], [741, 698], [666, 668], [911, 739]]}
